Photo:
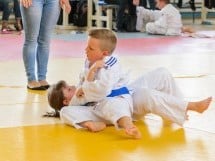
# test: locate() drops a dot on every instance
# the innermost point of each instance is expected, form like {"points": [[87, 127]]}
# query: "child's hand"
{"points": [[97, 65], [93, 69], [80, 93], [65, 5]]}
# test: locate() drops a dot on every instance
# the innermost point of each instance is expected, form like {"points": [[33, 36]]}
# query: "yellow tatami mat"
{"points": [[26, 136], [61, 142]]}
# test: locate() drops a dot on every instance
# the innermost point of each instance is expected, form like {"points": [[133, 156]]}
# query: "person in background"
{"points": [[18, 19], [123, 5], [166, 21], [6, 6]]}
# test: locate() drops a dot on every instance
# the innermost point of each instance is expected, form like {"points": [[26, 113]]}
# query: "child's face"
{"points": [[93, 50], [68, 92], [160, 4]]}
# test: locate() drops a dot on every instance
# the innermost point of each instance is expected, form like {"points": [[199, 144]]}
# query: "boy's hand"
{"points": [[80, 93], [97, 65], [65, 5], [93, 70]]}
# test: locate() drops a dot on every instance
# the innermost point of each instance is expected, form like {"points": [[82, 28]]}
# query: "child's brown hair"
{"points": [[107, 37], [56, 96]]}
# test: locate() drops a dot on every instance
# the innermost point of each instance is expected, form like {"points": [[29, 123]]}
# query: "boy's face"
{"points": [[68, 92], [93, 50]]}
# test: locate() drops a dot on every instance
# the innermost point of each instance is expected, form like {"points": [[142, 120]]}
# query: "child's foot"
{"points": [[136, 2], [134, 132], [94, 126], [200, 106], [188, 29]]}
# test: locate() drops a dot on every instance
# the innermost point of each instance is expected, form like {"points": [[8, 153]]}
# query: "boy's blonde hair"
{"points": [[107, 37]]}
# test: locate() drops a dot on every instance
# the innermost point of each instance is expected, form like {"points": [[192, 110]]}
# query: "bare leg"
{"points": [[93, 126], [130, 128], [199, 106]]}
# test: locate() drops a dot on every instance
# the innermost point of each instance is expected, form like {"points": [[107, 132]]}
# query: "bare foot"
{"points": [[134, 132], [136, 2], [188, 29], [200, 106], [94, 126]]}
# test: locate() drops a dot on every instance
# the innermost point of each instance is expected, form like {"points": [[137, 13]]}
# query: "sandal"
{"points": [[5, 31], [18, 26]]}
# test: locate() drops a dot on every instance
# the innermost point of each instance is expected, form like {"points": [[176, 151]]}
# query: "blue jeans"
{"points": [[39, 21]]}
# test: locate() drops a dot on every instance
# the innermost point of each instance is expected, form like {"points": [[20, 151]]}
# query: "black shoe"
{"points": [[46, 86], [192, 5], [41, 88]]}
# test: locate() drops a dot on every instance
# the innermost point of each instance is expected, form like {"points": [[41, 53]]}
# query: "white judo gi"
{"points": [[154, 92], [166, 21], [108, 108]]}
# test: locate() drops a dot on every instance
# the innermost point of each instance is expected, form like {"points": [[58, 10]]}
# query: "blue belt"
{"points": [[118, 92]]}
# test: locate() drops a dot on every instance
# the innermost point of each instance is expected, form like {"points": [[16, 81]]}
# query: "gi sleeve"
{"points": [[102, 86]]}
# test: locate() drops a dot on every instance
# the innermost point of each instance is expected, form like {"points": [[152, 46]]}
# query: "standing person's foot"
{"points": [[18, 26], [44, 84], [6, 30], [34, 85]]}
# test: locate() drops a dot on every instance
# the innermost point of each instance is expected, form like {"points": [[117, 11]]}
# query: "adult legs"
{"points": [[50, 14], [120, 14], [6, 6], [18, 23], [38, 21]]}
